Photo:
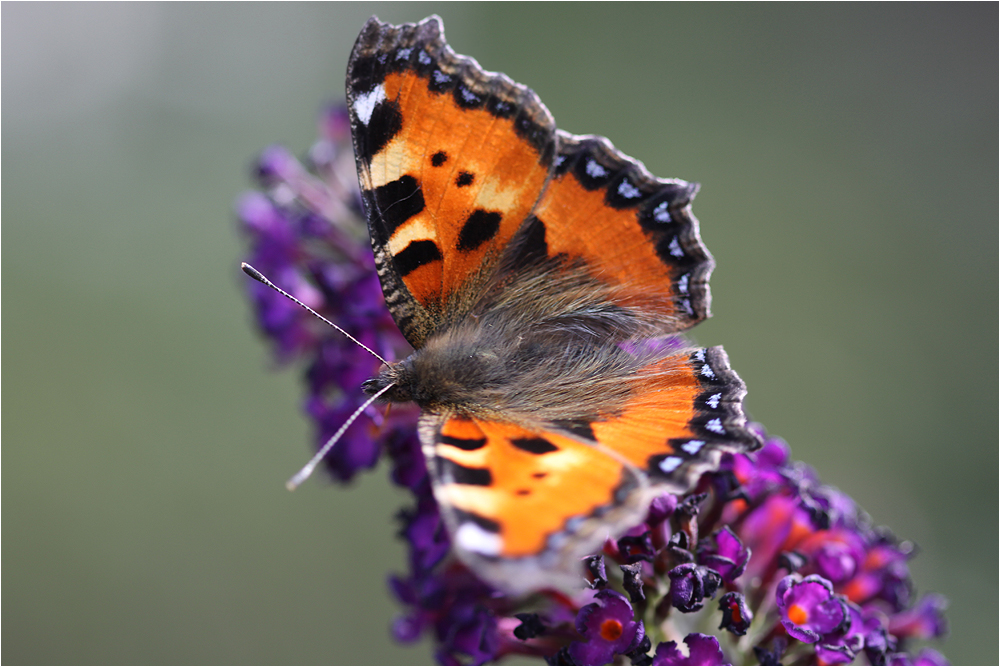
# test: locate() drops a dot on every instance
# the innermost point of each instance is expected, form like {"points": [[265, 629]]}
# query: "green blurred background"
{"points": [[848, 161]]}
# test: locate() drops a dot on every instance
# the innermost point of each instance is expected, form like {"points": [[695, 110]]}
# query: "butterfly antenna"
{"points": [[259, 277], [308, 468]]}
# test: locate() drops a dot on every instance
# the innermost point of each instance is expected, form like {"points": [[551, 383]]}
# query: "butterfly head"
{"points": [[394, 380]]}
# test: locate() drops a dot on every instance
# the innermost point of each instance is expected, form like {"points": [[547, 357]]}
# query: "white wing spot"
{"points": [[423, 58], [707, 371], [669, 464], [440, 77], [595, 170], [715, 426], [364, 104], [682, 283], [692, 447], [472, 538], [403, 54], [686, 304], [713, 400], [675, 248], [661, 214], [628, 191], [468, 95], [700, 355]]}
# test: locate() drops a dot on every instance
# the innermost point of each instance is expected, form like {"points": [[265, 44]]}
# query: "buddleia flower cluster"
{"points": [[759, 563]]}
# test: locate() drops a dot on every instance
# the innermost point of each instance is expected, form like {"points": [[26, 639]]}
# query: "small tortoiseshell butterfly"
{"points": [[539, 276]]}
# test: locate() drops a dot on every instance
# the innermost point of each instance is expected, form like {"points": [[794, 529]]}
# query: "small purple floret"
{"points": [[690, 584], [728, 556], [608, 627], [736, 614], [809, 607]]}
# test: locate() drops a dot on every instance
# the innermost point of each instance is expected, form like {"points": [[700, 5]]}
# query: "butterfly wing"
{"points": [[524, 504], [451, 159], [683, 411], [632, 231]]}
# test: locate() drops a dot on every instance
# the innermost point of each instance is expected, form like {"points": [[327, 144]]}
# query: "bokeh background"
{"points": [[848, 161]]}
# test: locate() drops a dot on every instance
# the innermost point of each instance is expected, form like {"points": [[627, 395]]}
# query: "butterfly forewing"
{"points": [[451, 160], [522, 499]]}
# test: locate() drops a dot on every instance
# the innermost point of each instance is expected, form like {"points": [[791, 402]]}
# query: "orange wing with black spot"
{"points": [[524, 504], [632, 231], [451, 161]]}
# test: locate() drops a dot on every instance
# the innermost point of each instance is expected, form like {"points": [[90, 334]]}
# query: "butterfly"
{"points": [[540, 278]]}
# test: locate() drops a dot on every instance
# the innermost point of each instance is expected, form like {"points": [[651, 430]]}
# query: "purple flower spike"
{"points": [[702, 650], [809, 608], [690, 584], [608, 627], [762, 514], [729, 557]]}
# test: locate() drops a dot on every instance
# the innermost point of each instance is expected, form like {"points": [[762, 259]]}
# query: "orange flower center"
{"points": [[611, 630], [737, 616], [797, 615]]}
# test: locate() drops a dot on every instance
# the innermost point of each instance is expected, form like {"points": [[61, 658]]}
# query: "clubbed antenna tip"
{"points": [[253, 273]]}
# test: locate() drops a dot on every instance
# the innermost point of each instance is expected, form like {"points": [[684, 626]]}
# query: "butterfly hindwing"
{"points": [[451, 160], [520, 503], [524, 501], [683, 411]]}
